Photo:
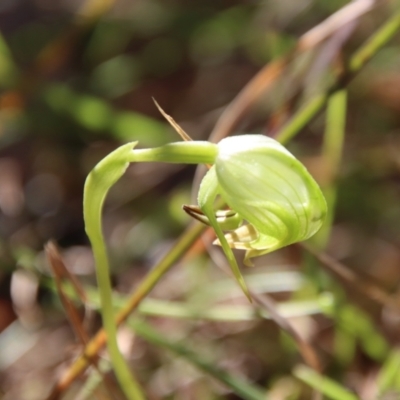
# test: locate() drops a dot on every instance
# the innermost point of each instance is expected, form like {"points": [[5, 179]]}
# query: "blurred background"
{"points": [[77, 79]]}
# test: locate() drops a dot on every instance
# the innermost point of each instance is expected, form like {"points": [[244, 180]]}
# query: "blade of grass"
{"points": [[389, 375], [332, 150], [240, 387], [227, 313], [357, 61], [305, 348], [334, 133], [328, 387], [268, 75]]}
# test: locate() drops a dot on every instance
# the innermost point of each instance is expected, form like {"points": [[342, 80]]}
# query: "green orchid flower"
{"points": [[274, 200]]}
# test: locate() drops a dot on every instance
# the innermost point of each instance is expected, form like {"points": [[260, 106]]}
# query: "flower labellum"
{"points": [[268, 189]]}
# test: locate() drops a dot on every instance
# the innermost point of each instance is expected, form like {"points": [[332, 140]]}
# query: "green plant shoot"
{"points": [[273, 201]]}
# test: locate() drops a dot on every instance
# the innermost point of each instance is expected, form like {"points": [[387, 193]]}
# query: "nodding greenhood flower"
{"points": [[273, 199], [274, 202], [270, 189]]}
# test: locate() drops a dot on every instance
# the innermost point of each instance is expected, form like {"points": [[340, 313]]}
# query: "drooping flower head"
{"points": [[273, 199], [269, 189]]}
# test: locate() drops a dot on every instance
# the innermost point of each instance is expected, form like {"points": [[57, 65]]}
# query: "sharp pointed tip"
{"points": [[248, 295], [245, 289], [248, 263]]}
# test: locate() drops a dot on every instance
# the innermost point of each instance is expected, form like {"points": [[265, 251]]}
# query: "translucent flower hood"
{"points": [[270, 189]]}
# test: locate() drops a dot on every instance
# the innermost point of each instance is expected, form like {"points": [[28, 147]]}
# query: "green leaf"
{"points": [[323, 384]]}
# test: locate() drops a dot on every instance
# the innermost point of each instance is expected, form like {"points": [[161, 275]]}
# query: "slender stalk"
{"points": [[332, 150], [194, 152], [334, 133], [331, 389], [99, 181], [357, 61], [301, 118], [374, 43], [188, 237], [388, 377], [97, 185]]}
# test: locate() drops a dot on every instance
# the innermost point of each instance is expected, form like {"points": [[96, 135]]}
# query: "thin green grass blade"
{"points": [[243, 389], [389, 375], [321, 383], [332, 150]]}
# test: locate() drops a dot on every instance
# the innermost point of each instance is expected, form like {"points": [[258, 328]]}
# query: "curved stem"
{"points": [[185, 241], [97, 185], [99, 181], [180, 153]]}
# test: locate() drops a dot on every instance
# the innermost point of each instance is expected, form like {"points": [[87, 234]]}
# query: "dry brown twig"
{"points": [[371, 289], [265, 78], [61, 272]]}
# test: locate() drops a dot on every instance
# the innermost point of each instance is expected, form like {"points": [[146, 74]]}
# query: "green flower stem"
{"points": [[328, 387], [186, 240], [194, 152], [99, 181], [357, 61], [97, 185]]}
